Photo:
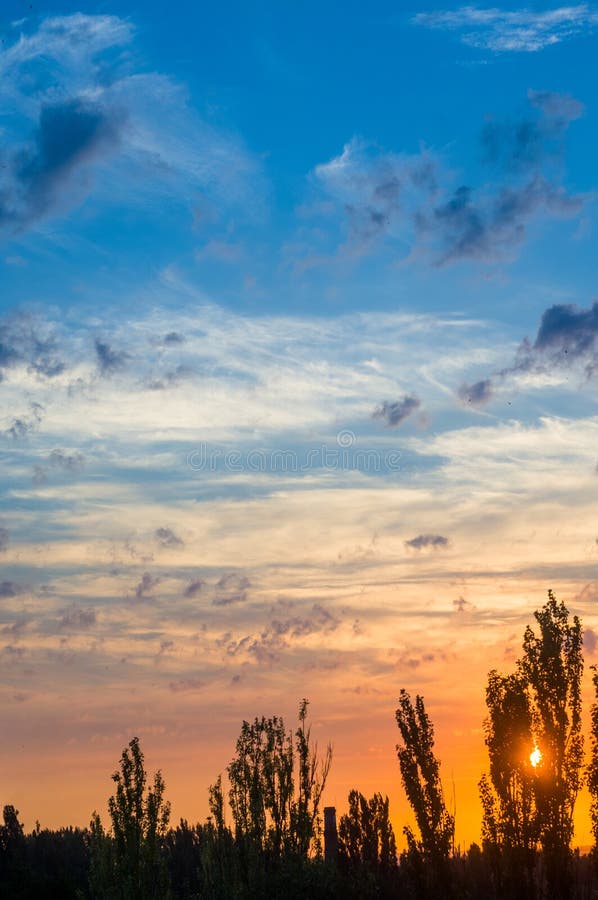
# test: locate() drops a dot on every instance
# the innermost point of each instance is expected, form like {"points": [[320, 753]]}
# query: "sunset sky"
{"points": [[298, 360]]}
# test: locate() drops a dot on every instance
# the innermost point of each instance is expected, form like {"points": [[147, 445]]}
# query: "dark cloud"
{"points": [[109, 360], [21, 426], [10, 589], [173, 338], [528, 141], [568, 333], [395, 412], [461, 605], [410, 200], [18, 429], [231, 589], [146, 586], [469, 226], [320, 620], [165, 647], [69, 461], [478, 393], [280, 634], [193, 588], [171, 379], [485, 224], [40, 175], [375, 189], [435, 541], [4, 539], [411, 660], [26, 341], [167, 538], [78, 619], [567, 336], [186, 684]]}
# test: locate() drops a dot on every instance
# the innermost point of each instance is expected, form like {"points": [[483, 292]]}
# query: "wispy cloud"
{"points": [[502, 30], [410, 205], [85, 122]]}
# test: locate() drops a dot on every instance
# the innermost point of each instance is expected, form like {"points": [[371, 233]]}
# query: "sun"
{"points": [[535, 757]]}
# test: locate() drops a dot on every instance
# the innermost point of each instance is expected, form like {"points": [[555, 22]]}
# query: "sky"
{"points": [[298, 358]]}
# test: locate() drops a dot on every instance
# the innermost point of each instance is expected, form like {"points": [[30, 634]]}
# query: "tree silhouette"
{"points": [[420, 771], [276, 785], [128, 864], [536, 709], [510, 820], [552, 666], [366, 836], [592, 773]]}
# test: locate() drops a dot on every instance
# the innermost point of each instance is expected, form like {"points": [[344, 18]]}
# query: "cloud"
{"points": [[231, 589], [83, 120], [530, 140], [478, 393], [280, 634], [14, 652], [78, 619], [462, 606], [473, 226], [412, 205], [109, 360], [69, 461], [567, 338], [393, 413], [375, 188], [567, 334], [146, 586], [167, 538], [186, 684], [193, 588], [173, 338], [4, 539], [10, 589], [70, 136], [504, 30], [31, 343], [424, 541], [21, 426]]}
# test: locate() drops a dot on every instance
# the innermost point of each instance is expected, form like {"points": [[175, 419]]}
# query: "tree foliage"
{"points": [[365, 834], [276, 784], [127, 864], [539, 706], [592, 771], [420, 771], [552, 666]]}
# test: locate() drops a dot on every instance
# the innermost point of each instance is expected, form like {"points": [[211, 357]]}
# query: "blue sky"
{"points": [[346, 252]]}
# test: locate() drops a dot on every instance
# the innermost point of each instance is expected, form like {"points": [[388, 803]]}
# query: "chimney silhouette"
{"points": [[330, 835]]}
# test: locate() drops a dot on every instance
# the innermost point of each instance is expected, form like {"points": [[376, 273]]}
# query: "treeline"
{"points": [[269, 836]]}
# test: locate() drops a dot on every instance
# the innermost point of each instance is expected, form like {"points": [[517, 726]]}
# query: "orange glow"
{"points": [[535, 757]]}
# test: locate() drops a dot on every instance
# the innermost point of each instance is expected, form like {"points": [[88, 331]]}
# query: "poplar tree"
{"points": [[552, 666], [420, 771], [276, 784], [127, 864]]}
